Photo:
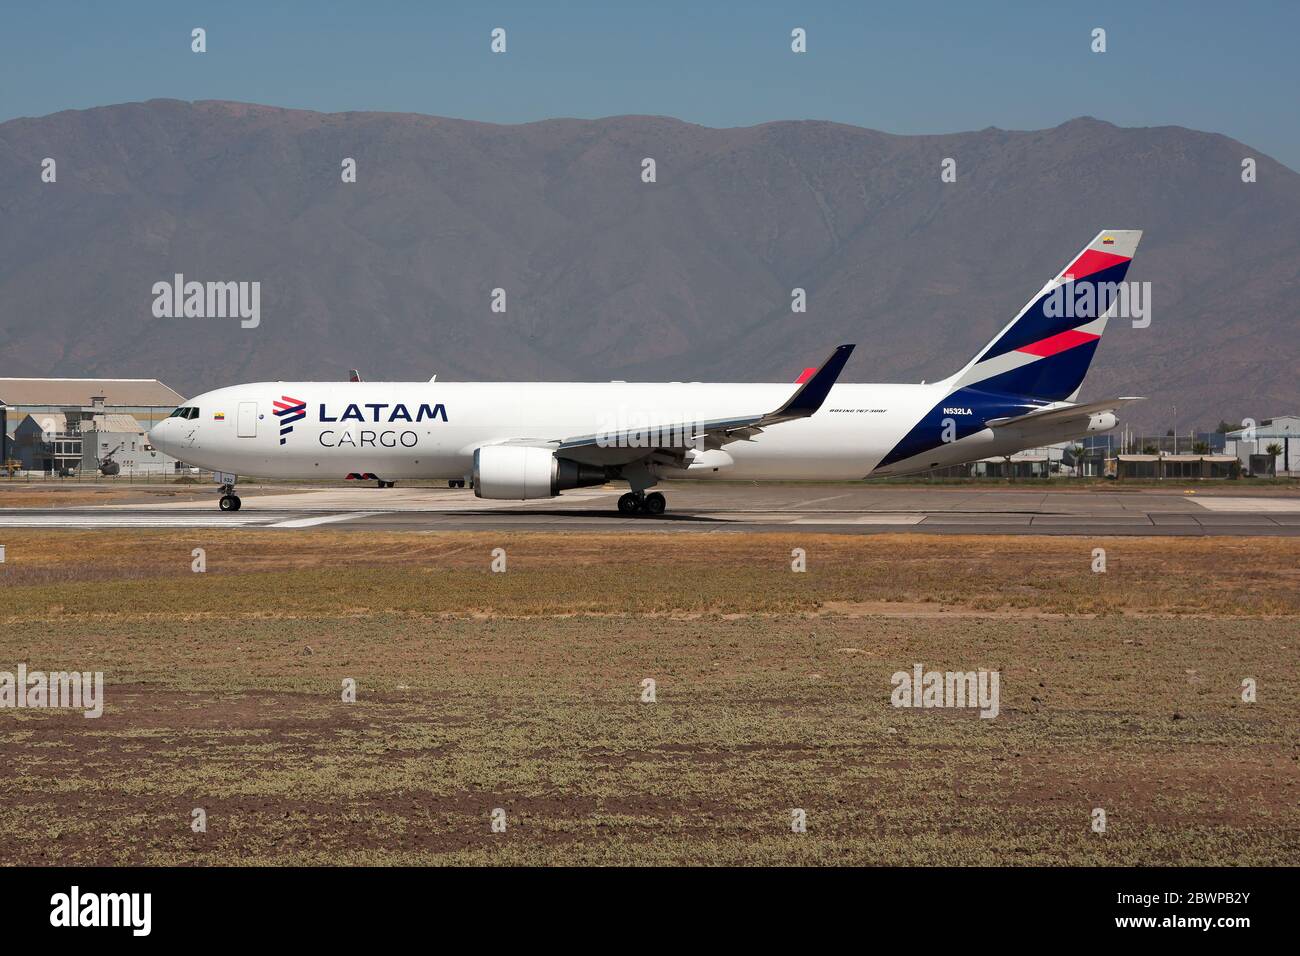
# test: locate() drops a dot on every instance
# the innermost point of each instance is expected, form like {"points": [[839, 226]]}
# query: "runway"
{"points": [[844, 509]]}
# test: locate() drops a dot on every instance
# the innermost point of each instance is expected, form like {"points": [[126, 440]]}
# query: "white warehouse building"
{"points": [[1250, 445]]}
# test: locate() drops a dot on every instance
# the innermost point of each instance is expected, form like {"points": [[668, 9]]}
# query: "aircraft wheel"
{"points": [[629, 504], [654, 503], [229, 503]]}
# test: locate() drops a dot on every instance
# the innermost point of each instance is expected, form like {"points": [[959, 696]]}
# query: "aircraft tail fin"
{"points": [[1046, 349]]}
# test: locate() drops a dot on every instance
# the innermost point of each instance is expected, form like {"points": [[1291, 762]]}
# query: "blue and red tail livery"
{"points": [[1046, 349], [1042, 355]]}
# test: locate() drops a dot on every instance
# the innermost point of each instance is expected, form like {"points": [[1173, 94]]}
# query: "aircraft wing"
{"points": [[1060, 416], [675, 438]]}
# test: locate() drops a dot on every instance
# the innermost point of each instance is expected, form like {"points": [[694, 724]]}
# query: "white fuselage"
{"points": [[408, 430]]}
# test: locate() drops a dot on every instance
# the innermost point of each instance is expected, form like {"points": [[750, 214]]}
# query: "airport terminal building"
{"points": [[69, 425]]}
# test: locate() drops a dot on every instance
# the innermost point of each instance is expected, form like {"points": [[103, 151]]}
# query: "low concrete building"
{"points": [[45, 445], [117, 444], [1175, 467], [1041, 462], [1019, 466]]}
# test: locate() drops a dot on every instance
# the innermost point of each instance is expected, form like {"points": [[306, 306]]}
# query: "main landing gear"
{"points": [[639, 503]]}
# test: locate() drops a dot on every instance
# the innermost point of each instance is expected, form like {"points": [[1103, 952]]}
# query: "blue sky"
{"points": [[904, 67]]}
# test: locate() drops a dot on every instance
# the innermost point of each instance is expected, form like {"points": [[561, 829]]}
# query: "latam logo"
{"points": [[384, 412], [289, 410]]}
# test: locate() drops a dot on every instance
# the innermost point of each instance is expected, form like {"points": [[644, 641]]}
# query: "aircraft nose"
{"points": [[158, 434]]}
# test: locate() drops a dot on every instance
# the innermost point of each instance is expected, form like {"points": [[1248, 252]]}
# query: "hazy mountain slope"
{"points": [[608, 277]]}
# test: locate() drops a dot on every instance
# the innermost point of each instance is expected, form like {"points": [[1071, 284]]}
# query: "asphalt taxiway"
{"points": [[847, 509]]}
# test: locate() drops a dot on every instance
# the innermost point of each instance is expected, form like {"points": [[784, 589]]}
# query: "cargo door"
{"points": [[247, 420]]}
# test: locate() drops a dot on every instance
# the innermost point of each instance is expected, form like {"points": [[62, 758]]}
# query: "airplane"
{"points": [[522, 441]]}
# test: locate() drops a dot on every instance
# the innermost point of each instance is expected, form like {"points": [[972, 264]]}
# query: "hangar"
{"points": [[44, 422], [1251, 446]]}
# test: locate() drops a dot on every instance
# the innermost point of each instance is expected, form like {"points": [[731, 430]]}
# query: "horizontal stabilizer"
{"points": [[1061, 414]]}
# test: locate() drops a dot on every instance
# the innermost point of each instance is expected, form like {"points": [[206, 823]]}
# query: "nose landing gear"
{"points": [[639, 503], [229, 500]]}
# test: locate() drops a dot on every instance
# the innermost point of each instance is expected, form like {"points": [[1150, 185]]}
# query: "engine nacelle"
{"points": [[1102, 422], [520, 472]]}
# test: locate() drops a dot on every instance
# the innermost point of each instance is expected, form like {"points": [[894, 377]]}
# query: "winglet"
{"points": [[805, 402]]}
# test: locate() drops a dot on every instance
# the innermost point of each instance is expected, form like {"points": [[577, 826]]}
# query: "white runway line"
{"points": [[830, 517], [749, 517], [1274, 505], [376, 500], [800, 505], [131, 521], [321, 519], [863, 519]]}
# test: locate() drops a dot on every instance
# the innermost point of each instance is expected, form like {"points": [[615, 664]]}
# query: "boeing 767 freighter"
{"points": [[526, 440]]}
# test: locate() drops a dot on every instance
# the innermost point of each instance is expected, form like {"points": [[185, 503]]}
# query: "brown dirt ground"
{"points": [[522, 691]]}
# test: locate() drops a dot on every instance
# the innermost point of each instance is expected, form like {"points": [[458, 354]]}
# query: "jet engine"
{"points": [[1102, 422], [521, 472]]}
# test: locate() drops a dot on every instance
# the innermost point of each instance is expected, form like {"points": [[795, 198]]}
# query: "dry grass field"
{"points": [[522, 691]]}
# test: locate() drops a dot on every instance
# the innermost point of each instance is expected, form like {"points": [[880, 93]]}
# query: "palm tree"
{"points": [[1273, 450], [1077, 453]]}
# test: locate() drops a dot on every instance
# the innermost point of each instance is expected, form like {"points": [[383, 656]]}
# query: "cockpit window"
{"points": [[185, 411]]}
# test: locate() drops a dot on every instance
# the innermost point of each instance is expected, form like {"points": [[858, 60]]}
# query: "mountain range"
{"points": [[607, 276]]}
